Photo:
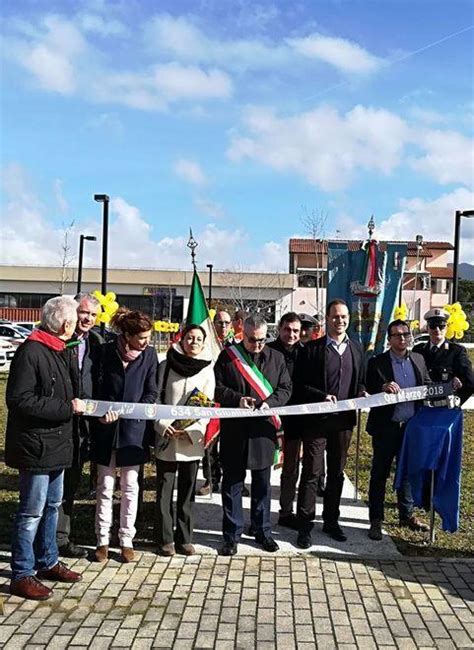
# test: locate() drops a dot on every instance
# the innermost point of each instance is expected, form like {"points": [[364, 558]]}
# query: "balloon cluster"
{"points": [[212, 313], [108, 305], [457, 322], [165, 326], [400, 313]]}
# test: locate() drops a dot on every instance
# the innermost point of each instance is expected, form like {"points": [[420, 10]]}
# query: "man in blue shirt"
{"points": [[390, 372]]}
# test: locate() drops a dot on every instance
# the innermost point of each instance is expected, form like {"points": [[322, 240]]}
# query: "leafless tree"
{"points": [[314, 224], [66, 255]]}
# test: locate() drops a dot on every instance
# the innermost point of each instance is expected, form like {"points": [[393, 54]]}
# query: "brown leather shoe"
{"points": [[127, 554], [204, 490], [166, 550], [30, 587], [101, 553], [186, 549], [59, 573], [413, 523]]}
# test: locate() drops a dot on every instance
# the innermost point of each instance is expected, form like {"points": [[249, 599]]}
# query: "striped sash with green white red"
{"points": [[252, 375]]}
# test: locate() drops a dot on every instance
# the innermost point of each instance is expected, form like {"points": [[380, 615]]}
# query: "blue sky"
{"points": [[236, 118]]}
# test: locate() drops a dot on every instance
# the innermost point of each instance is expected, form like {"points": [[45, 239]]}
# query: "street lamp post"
{"points": [[210, 267], [457, 238], [82, 238], [104, 199]]}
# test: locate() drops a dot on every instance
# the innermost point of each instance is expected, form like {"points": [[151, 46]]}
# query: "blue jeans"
{"points": [[34, 532]]}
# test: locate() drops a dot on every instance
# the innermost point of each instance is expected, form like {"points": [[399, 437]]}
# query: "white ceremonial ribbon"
{"points": [[133, 411]]}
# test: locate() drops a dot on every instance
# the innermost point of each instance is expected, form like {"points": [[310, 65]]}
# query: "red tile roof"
{"points": [[440, 272], [306, 245]]}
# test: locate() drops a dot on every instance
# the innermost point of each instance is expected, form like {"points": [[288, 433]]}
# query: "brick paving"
{"points": [[250, 601]]}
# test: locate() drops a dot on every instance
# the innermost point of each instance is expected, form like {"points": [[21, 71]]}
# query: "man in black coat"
{"points": [[328, 369], [389, 372], [84, 355], [241, 371], [41, 402], [289, 344], [446, 360]]}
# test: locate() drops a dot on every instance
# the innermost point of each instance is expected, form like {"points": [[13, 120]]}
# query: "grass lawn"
{"points": [[457, 544]]}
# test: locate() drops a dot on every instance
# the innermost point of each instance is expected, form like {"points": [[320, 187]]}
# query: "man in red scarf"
{"points": [[41, 403]]}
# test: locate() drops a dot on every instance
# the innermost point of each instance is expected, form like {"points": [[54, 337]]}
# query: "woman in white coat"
{"points": [[177, 450]]}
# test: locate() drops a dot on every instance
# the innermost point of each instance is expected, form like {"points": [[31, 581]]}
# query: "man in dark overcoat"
{"points": [[328, 369], [241, 372], [84, 354]]}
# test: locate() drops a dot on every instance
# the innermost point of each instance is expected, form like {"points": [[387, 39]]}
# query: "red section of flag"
{"points": [[212, 430]]}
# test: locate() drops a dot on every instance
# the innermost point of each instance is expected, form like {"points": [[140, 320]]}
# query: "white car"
{"points": [[7, 352], [9, 333]]}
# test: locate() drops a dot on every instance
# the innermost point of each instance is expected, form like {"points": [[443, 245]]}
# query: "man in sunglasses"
{"points": [[390, 372], [249, 375], [446, 360]]}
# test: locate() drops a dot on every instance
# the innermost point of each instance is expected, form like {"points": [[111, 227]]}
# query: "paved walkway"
{"points": [[292, 599]]}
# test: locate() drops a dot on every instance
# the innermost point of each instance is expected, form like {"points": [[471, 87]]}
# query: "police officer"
{"points": [[446, 360]]}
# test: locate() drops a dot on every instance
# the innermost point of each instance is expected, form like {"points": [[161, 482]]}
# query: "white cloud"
{"points": [[190, 171], [210, 208], [434, 219], [28, 237], [61, 59], [346, 56], [323, 146], [103, 26], [184, 40], [449, 157], [59, 196]]}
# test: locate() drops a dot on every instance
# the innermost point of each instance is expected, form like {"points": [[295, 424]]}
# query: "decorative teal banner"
{"points": [[369, 280]]}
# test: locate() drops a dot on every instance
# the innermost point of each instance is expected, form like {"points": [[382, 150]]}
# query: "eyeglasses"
{"points": [[225, 323], [440, 326], [252, 339], [402, 335]]}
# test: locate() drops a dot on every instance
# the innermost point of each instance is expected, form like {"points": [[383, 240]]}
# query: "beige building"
{"points": [[160, 293]]}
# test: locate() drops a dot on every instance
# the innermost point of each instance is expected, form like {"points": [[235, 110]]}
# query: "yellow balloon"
{"points": [[465, 326], [112, 307], [212, 313], [110, 296], [459, 334], [105, 317]]}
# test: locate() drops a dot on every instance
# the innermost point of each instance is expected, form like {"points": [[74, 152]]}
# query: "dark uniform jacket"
{"points": [[39, 400], [452, 359], [250, 443], [136, 383], [291, 425], [379, 372], [311, 384]]}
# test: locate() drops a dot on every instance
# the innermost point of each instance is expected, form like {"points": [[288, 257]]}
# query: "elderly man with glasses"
{"points": [[390, 372], [249, 375], [446, 360]]}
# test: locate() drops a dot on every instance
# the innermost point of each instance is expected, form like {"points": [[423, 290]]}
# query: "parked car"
{"points": [[8, 332], [421, 338], [22, 329], [7, 352], [27, 325]]}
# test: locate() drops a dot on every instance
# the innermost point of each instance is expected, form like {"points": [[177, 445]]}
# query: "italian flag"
{"points": [[198, 314]]}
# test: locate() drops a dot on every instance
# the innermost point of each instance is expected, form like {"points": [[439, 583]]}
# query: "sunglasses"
{"points": [[402, 335], [223, 322], [252, 339], [437, 324]]}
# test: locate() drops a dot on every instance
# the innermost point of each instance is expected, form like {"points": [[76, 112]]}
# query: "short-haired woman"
{"points": [[126, 373], [41, 403], [178, 451]]}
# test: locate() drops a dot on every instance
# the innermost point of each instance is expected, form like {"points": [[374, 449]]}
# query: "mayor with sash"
{"points": [[249, 375]]}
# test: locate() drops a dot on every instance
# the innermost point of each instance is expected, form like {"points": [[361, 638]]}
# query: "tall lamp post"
{"points": [[210, 267], [457, 237], [104, 199], [82, 239]]}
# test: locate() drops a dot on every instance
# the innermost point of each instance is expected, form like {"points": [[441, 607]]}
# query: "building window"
{"points": [[439, 286]]}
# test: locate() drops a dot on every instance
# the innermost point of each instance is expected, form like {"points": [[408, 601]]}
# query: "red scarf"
{"points": [[126, 353], [49, 340]]}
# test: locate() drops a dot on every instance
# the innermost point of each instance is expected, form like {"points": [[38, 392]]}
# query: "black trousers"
{"points": [[289, 474], [211, 467], [336, 444], [260, 500], [72, 480], [165, 479], [386, 446]]}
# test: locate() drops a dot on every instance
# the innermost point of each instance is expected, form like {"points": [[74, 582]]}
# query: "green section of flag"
{"points": [[197, 308]]}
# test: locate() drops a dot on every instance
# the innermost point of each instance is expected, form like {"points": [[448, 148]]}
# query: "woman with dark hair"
{"points": [[126, 373], [186, 371]]}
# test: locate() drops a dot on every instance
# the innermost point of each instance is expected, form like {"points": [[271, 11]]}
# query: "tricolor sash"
{"points": [[252, 376]]}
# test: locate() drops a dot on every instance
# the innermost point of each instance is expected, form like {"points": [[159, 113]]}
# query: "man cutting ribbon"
{"points": [[249, 376]]}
